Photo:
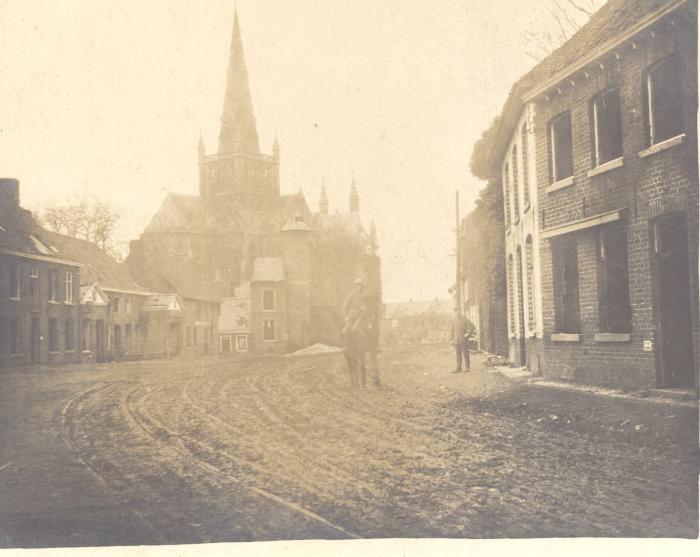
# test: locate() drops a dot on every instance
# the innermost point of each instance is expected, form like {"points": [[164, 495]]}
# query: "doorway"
{"points": [[100, 340], [673, 302], [36, 341], [521, 309]]}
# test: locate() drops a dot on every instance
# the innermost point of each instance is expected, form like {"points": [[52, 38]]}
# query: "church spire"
{"points": [[354, 197], [238, 132], [323, 200]]}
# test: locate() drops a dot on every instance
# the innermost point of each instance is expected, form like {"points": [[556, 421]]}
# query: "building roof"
{"points": [[162, 302], [613, 20], [21, 234], [443, 307], [96, 265], [268, 269]]}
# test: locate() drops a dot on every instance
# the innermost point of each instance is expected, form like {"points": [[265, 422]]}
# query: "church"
{"points": [[276, 271]]}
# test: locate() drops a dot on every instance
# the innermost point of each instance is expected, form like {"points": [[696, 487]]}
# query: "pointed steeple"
{"points": [[354, 197], [323, 200], [238, 132], [276, 148]]}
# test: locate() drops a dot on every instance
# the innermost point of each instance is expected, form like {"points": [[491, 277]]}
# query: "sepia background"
{"points": [[112, 96]]}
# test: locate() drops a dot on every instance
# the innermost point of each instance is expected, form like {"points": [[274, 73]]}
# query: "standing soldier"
{"points": [[372, 336], [460, 332]]}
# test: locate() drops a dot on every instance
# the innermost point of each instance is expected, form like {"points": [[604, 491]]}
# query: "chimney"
{"points": [[9, 195]]}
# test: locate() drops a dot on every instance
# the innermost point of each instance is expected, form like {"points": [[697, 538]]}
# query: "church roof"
{"points": [[347, 223]]}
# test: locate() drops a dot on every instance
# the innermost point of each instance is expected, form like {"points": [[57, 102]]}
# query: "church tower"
{"points": [[238, 169]]}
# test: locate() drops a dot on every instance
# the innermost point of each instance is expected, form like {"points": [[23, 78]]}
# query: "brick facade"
{"points": [[618, 238]]}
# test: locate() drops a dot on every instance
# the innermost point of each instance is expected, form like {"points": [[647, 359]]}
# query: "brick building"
{"points": [[64, 300], [242, 243], [39, 290], [601, 140]]}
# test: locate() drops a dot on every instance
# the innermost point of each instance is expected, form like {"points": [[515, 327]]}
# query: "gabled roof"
{"points": [[162, 302], [93, 294], [21, 234], [96, 265], [613, 20], [177, 212]]}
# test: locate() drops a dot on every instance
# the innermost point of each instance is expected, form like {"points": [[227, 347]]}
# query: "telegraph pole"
{"points": [[458, 286]]}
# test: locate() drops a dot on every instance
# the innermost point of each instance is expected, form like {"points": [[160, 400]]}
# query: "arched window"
{"points": [[516, 187], [511, 291], [530, 284], [506, 196], [526, 176]]}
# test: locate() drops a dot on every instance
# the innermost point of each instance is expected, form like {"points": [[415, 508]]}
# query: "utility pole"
{"points": [[458, 285]]}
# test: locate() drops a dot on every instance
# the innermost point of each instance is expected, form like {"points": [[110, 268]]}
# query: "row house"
{"points": [[39, 290], [64, 300], [597, 153]]}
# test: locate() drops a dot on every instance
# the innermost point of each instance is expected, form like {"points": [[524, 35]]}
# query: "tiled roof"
{"points": [[613, 19], [96, 265]]}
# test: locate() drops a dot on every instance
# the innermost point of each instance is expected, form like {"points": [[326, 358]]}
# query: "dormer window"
{"points": [[560, 147]]}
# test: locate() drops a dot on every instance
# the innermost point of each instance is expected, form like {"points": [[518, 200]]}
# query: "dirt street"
{"points": [[283, 448]]}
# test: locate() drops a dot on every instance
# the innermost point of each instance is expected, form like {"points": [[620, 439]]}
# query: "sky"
{"points": [[108, 99]]}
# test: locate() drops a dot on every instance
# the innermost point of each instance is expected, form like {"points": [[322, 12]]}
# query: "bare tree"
{"points": [[562, 19], [89, 219]]}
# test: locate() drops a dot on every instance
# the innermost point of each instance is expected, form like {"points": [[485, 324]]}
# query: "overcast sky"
{"points": [[108, 98]]}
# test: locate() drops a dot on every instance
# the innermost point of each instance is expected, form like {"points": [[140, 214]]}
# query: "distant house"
{"points": [[420, 322]]}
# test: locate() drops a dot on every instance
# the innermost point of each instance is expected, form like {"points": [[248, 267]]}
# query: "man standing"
{"points": [[460, 332], [353, 306]]}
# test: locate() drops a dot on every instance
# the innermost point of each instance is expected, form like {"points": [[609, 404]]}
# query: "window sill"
{"points": [[17, 356], [666, 144], [566, 337], [53, 302], [67, 303], [14, 299], [86, 352], [69, 351], [561, 184], [606, 167], [612, 337], [54, 352]]}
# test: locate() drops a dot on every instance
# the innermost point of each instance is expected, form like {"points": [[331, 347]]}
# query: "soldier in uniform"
{"points": [[461, 331]]}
